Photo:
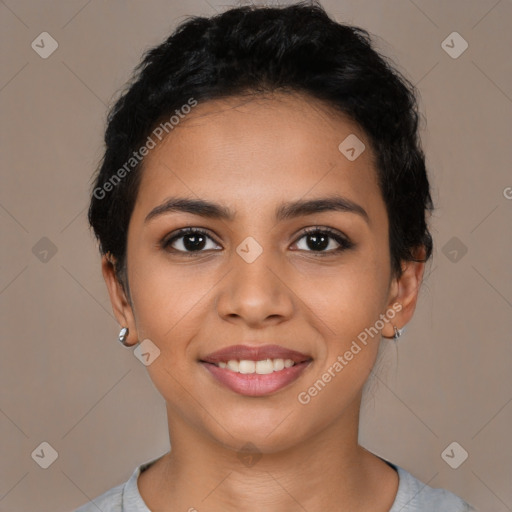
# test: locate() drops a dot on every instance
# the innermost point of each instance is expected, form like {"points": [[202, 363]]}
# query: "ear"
{"points": [[404, 290], [120, 305]]}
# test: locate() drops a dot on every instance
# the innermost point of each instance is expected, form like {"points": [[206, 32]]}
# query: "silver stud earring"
{"points": [[398, 332], [396, 335], [123, 334]]}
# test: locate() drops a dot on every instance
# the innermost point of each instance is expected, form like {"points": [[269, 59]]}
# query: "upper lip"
{"points": [[252, 353]]}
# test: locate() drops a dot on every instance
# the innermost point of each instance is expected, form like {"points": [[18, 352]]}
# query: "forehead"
{"points": [[247, 151]]}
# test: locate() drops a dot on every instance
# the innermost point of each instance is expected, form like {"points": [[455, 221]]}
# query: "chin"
{"points": [[269, 432]]}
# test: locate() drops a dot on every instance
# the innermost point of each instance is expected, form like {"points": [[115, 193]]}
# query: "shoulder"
{"points": [[109, 501], [123, 497], [415, 496]]}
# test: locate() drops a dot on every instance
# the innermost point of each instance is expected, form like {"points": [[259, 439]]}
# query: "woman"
{"points": [[261, 211]]}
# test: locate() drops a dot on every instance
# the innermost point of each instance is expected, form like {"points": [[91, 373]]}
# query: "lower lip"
{"points": [[253, 384]]}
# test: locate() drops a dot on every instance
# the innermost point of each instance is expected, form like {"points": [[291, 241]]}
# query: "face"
{"points": [[289, 258]]}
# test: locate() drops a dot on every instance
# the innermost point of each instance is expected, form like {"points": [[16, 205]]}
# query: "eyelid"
{"points": [[180, 233], [343, 240], [340, 238]]}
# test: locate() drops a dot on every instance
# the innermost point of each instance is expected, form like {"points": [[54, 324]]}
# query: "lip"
{"points": [[255, 384], [255, 354]]}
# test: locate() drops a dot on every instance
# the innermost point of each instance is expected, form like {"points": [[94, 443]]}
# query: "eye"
{"points": [[318, 239], [189, 240]]}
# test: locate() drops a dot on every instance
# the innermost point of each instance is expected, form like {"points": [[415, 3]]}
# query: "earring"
{"points": [[123, 334], [398, 332]]}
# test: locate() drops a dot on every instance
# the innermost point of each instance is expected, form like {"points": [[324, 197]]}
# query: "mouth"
{"points": [[256, 371]]}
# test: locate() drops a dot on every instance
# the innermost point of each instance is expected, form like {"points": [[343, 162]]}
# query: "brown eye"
{"points": [[324, 240], [189, 240]]}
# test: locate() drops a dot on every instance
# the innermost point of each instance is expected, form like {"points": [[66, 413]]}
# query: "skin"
{"points": [[251, 155]]}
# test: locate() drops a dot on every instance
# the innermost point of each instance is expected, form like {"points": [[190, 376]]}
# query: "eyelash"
{"points": [[344, 243]]}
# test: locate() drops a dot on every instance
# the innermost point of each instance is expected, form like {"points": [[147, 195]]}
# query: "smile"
{"points": [[255, 371], [262, 367]]}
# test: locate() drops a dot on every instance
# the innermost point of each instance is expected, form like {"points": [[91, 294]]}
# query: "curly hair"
{"points": [[257, 50]]}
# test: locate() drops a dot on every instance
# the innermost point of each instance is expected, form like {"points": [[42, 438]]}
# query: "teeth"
{"points": [[233, 365], [246, 366], [279, 364], [262, 367]]}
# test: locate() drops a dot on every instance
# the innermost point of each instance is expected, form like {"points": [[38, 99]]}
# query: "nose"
{"points": [[255, 293]]}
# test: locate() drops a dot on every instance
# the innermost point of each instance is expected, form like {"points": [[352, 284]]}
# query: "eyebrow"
{"points": [[285, 211]]}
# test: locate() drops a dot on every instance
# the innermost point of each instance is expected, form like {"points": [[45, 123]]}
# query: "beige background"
{"points": [[65, 379]]}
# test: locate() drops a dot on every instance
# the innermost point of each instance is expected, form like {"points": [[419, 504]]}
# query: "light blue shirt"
{"points": [[412, 496]]}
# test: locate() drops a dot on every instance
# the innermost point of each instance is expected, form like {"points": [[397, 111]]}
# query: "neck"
{"points": [[328, 471]]}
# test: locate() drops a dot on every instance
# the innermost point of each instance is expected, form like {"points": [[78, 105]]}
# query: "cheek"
{"points": [[346, 304], [165, 301], [348, 298], [346, 317], [163, 297]]}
